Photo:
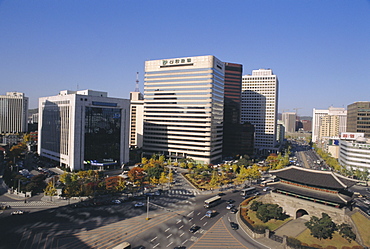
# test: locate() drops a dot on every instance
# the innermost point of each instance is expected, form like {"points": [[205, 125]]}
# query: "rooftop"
{"points": [[310, 177]]}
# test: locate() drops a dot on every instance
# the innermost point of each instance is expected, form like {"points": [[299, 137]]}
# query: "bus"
{"points": [[211, 202], [247, 191]]}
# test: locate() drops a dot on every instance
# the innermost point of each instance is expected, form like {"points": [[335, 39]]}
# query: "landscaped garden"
{"points": [[363, 227], [336, 242]]}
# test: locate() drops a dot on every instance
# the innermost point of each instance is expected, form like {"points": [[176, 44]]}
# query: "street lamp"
{"points": [[147, 209]]}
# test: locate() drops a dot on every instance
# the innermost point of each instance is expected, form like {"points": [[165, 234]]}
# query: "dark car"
{"points": [[180, 247], [234, 226], [233, 210], [193, 229], [230, 201]]}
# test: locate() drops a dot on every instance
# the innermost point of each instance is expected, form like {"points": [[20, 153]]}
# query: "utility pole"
{"points": [[147, 209]]}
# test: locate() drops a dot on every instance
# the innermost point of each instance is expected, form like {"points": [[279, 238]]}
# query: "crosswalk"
{"points": [[191, 192], [28, 204]]}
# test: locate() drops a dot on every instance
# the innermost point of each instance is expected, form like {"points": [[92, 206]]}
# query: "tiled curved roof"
{"points": [[321, 195], [318, 178]]}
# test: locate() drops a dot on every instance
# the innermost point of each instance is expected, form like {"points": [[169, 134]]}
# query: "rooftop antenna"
{"points": [[137, 82]]}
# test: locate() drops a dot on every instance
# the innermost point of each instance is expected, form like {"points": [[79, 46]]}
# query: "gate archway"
{"points": [[300, 213]]}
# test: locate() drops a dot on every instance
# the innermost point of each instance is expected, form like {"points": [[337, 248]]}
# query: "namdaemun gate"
{"points": [[302, 191]]}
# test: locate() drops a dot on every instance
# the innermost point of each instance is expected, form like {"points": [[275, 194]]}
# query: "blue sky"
{"points": [[319, 49]]}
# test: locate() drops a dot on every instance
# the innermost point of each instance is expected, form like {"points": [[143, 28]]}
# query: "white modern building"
{"points": [[289, 121], [319, 119], [259, 107], [84, 129], [183, 108], [13, 113], [354, 151], [136, 119]]}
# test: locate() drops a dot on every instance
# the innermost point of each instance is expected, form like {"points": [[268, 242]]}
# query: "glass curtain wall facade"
{"points": [[183, 108], [102, 134]]}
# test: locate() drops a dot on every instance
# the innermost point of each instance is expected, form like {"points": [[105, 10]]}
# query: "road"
{"points": [[170, 217]]}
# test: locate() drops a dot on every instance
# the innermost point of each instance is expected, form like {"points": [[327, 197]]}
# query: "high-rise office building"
{"points": [[136, 119], [289, 121], [329, 126], [84, 129], [317, 119], [358, 117], [13, 113], [259, 107], [238, 138], [183, 108]]}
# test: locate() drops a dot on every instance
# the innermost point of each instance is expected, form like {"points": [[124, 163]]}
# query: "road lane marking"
{"points": [[190, 219], [198, 213], [181, 226], [182, 234], [202, 218], [205, 224], [169, 244], [156, 245], [169, 235], [184, 242], [190, 213], [178, 221], [167, 229], [153, 239]]}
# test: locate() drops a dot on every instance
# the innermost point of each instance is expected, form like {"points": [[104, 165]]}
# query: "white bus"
{"points": [[213, 201], [247, 191]]}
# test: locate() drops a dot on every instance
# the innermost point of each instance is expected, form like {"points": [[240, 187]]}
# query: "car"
{"points": [[235, 190], [17, 212], [368, 190], [234, 226], [116, 201], [179, 247], [266, 189], [230, 206], [194, 228], [210, 213], [230, 201], [221, 194], [139, 204], [233, 210], [367, 202]]}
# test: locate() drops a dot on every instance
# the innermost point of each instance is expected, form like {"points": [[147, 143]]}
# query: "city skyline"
{"points": [[319, 50]]}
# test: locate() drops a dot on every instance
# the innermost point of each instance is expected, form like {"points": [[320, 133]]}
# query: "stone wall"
{"points": [[292, 204]]}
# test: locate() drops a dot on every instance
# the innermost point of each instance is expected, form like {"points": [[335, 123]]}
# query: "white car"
{"points": [[17, 212], [367, 202], [230, 206], [139, 204], [266, 189]]}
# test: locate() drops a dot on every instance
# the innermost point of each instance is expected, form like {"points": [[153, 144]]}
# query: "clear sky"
{"points": [[319, 49]]}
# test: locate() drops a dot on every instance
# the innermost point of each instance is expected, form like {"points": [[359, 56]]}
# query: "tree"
{"points": [[215, 181], [163, 179], [136, 175], [346, 232], [170, 176], [243, 175], [322, 228], [234, 167], [50, 190], [266, 212]]}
